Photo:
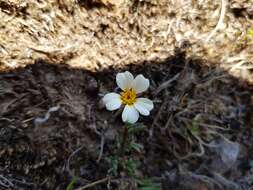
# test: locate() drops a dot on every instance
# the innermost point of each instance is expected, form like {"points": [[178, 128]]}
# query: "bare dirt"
{"points": [[53, 125]]}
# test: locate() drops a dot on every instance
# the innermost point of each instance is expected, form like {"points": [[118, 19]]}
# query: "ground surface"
{"points": [[52, 124], [59, 57]]}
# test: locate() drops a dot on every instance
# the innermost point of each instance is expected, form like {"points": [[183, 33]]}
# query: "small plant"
{"points": [[125, 148], [133, 106]]}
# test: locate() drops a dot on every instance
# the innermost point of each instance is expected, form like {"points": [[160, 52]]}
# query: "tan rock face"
{"points": [[120, 32], [113, 2]]}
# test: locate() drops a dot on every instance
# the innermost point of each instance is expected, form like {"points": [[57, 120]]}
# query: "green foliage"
{"points": [[131, 166], [135, 128], [124, 161], [114, 163], [194, 128], [135, 146], [71, 184], [250, 33], [132, 130], [120, 160], [148, 184]]}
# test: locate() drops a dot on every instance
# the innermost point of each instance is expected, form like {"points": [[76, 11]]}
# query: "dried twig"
{"points": [[102, 143], [94, 183], [71, 156], [220, 22], [205, 179], [157, 117], [166, 84], [225, 182], [4, 182]]}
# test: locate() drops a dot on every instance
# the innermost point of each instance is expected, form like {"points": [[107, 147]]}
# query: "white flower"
{"points": [[130, 87]]}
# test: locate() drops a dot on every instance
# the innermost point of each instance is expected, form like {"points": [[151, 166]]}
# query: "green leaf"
{"points": [[131, 166], [71, 184], [194, 128], [250, 32], [114, 164], [136, 146], [136, 129], [148, 184]]}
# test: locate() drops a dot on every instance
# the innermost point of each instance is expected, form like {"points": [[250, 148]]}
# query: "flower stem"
{"points": [[124, 140]]}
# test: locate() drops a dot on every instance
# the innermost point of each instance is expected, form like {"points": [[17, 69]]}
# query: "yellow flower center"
{"points": [[128, 96]]}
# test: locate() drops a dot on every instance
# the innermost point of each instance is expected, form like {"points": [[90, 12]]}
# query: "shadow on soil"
{"points": [[52, 123]]}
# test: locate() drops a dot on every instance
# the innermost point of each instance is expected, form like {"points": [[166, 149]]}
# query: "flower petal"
{"points": [[108, 97], [112, 101], [140, 84], [144, 105], [124, 80], [130, 114]]}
